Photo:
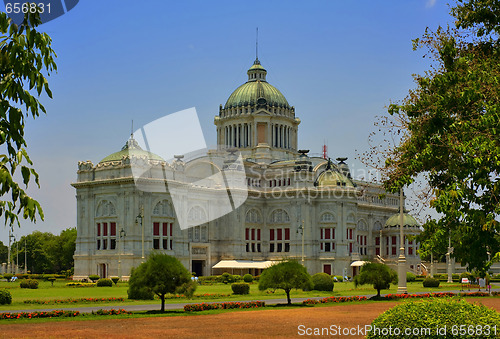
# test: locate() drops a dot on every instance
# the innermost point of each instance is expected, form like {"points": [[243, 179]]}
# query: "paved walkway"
{"points": [[179, 306]]}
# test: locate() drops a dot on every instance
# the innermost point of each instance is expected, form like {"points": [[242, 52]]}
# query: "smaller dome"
{"points": [[131, 149], [332, 177], [408, 221]]}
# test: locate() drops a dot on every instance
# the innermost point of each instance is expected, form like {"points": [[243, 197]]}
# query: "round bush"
{"points": [[430, 314], [322, 282], [115, 280], [104, 282], [431, 282], [29, 283], [5, 297], [8, 276], [240, 288], [226, 278], [247, 278], [236, 277], [410, 277]]}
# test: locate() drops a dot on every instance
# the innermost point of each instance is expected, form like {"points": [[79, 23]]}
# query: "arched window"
{"points": [[253, 216], [163, 208], [279, 216]]}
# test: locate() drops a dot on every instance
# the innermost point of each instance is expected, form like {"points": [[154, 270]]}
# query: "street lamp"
{"points": [[448, 259], [122, 235], [402, 259], [25, 257], [140, 220], [301, 229]]}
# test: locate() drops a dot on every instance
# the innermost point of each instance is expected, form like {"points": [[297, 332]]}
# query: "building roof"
{"points": [[256, 88], [408, 220], [133, 149]]}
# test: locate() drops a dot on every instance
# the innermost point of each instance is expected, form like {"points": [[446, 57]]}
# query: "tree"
{"points": [[24, 55], [162, 274], [377, 274], [285, 275], [449, 132]]}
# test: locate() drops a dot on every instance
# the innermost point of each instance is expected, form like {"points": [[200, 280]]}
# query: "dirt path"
{"points": [[247, 324]]}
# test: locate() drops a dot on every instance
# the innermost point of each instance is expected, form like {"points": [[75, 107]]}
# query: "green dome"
{"points": [[256, 91], [408, 220], [131, 149], [331, 177]]}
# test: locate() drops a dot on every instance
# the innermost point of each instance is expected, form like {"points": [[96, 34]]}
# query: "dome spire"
{"points": [[257, 45]]}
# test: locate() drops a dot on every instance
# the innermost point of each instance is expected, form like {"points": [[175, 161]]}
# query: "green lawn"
{"points": [[61, 291]]}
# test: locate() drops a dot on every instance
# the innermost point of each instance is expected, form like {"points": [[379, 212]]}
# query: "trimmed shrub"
{"points": [[29, 283], [237, 277], [226, 278], [240, 288], [322, 282], [51, 279], [104, 282], [247, 278], [410, 277], [5, 297], [94, 277], [431, 314], [8, 276], [431, 282], [115, 280]]}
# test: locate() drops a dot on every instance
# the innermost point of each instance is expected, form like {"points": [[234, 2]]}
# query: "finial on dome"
{"points": [[132, 130], [257, 46]]}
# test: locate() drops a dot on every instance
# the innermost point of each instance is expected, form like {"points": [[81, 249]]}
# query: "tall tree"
{"points": [[379, 275], [449, 129], [285, 275], [25, 55], [162, 274]]}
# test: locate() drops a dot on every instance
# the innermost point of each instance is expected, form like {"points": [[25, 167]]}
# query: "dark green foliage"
{"points": [[29, 283], [240, 288], [410, 277], [322, 282], [434, 313], [5, 297], [104, 282], [247, 278], [236, 277], [115, 280], [94, 277], [25, 56], [449, 131], [285, 275], [431, 282], [8, 276], [379, 275], [162, 274]]}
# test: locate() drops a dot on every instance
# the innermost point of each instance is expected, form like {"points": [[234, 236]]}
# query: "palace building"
{"points": [[295, 206]]}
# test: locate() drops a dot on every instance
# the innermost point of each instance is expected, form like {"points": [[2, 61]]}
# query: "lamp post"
{"points": [[301, 229], [122, 235], [140, 220], [17, 255], [402, 259]]}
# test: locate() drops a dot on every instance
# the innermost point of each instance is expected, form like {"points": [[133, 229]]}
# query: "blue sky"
{"points": [[338, 62]]}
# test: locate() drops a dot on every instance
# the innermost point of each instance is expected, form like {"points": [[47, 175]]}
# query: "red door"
{"points": [[327, 268]]}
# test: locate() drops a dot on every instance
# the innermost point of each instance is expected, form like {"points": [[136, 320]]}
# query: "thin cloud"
{"points": [[430, 3]]}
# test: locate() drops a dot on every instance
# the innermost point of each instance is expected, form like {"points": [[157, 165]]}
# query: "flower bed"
{"points": [[31, 315], [71, 301], [223, 306], [334, 300], [423, 295]]}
